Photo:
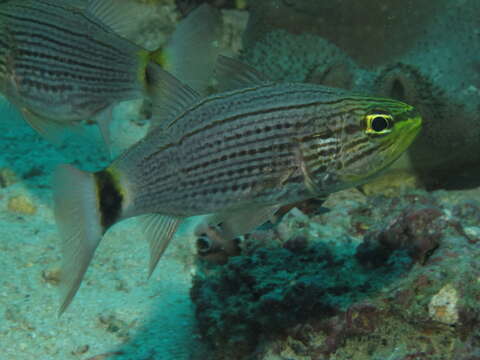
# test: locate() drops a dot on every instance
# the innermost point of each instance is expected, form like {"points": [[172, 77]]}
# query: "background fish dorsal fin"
{"points": [[169, 96], [234, 74], [115, 14]]}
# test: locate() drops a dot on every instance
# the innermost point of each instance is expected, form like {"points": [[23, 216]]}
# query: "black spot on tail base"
{"points": [[110, 198]]}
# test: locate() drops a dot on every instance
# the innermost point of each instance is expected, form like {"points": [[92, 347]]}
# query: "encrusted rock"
{"points": [[407, 286]]}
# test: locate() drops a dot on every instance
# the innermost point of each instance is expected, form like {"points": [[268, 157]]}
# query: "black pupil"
{"points": [[379, 124], [203, 243]]}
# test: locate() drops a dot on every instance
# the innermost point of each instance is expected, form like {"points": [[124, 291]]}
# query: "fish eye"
{"points": [[378, 123], [204, 244]]}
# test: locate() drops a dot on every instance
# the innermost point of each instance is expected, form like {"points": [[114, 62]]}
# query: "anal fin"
{"points": [[159, 230]]}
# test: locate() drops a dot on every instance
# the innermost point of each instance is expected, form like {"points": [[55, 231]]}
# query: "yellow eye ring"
{"points": [[378, 124]]}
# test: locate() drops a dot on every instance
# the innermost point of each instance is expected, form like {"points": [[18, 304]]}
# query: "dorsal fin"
{"points": [[234, 74], [169, 96], [115, 14]]}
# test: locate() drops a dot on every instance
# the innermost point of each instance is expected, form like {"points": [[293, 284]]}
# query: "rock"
{"points": [[51, 276], [7, 177], [400, 277]]}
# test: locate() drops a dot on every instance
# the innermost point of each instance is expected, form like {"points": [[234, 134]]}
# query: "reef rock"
{"points": [[384, 278]]}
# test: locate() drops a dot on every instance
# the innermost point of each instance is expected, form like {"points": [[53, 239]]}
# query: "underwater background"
{"points": [[388, 270]]}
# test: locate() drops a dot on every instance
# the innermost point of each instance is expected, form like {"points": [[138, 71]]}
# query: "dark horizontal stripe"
{"points": [[361, 155], [41, 85], [278, 108], [322, 153], [234, 170], [259, 149], [257, 112], [56, 27], [25, 52], [243, 166], [72, 75], [57, 66], [61, 47]]}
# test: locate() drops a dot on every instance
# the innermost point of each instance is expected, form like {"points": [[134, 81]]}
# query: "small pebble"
{"points": [[22, 205], [7, 177], [81, 350], [51, 276]]}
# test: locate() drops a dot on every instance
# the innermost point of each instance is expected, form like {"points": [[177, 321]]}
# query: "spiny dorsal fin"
{"points": [[169, 96], [234, 74], [115, 14]]}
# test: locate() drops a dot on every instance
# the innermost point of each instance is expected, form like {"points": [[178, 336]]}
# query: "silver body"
{"points": [[61, 64], [258, 146]]}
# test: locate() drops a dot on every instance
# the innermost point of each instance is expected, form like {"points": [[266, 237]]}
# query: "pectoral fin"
{"points": [[104, 119], [235, 223], [54, 132]]}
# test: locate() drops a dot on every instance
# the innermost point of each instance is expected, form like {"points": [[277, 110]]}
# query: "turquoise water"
{"points": [[388, 270]]}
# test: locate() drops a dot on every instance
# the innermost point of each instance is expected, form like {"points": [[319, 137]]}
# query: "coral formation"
{"points": [[399, 49], [386, 276]]}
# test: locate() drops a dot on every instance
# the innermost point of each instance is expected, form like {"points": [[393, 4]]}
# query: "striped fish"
{"points": [[66, 61], [238, 154]]}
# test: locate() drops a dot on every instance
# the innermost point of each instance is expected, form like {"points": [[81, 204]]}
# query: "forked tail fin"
{"points": [[78, 217]]}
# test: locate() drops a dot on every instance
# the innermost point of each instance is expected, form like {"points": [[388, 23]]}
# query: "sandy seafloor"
{"points": [[117, 310]]}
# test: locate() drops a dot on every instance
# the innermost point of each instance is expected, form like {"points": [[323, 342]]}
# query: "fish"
{"points": [[62, 62], [239, 155]]}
